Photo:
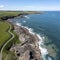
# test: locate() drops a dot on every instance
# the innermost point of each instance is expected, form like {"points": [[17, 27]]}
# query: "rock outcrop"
{"points": [[29, 48]]}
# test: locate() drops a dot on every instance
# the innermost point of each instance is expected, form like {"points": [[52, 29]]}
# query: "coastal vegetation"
{"points": [[4, 37]]}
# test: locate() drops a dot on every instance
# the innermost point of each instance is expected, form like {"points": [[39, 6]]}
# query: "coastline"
{"points": [[36, 40], [29, 42], [40, 42]]}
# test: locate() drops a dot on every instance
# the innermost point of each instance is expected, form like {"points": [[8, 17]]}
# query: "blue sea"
{"points": [[47, 25]]}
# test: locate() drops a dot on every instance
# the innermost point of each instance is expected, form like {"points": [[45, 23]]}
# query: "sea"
{"points": [[47, 28]]}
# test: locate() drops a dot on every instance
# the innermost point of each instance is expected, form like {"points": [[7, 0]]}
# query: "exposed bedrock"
{"points": [[29, 48]]}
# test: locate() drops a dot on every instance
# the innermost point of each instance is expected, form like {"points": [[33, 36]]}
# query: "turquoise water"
{"points": [[47, 25]]}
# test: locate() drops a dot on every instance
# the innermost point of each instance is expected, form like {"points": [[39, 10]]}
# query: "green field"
{"points": [[4, 35], [9, 13]]}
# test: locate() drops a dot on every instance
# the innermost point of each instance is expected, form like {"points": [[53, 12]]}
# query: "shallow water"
{"points": [[47, 25]]}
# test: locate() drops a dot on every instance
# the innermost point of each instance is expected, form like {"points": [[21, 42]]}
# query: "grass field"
{"points": [[4, 35], [9, 13]]}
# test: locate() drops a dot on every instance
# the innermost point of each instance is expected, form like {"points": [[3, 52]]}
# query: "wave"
{"points": [[24, 21], [27, 17], [19, 24], [43, 50]]}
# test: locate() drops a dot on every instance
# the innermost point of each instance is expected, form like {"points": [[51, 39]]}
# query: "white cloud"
{"points": [[1, 6]]}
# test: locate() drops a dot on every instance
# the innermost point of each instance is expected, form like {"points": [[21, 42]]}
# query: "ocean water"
{"points": [[47, 25]]}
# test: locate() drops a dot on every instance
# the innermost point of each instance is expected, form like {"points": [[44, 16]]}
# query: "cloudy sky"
{"points": [[40, 5]]}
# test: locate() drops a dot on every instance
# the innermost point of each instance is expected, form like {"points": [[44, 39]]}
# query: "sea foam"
{"points": [[24, 21]]}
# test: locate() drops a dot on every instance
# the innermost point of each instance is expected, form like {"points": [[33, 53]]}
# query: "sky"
{"points": [[29, 5]]}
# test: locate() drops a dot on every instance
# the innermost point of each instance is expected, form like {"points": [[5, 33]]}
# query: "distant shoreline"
{"points": [[12, 14]]}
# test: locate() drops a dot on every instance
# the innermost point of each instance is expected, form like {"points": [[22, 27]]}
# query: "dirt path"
{"points": [[0, 56], [6, 42]]}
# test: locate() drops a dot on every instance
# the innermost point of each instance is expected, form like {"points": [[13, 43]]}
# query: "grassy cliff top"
{"points": [[4, 35], [14, 13]]}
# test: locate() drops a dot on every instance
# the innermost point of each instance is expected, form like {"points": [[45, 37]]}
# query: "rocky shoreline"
{"points": [[29, 47]]}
